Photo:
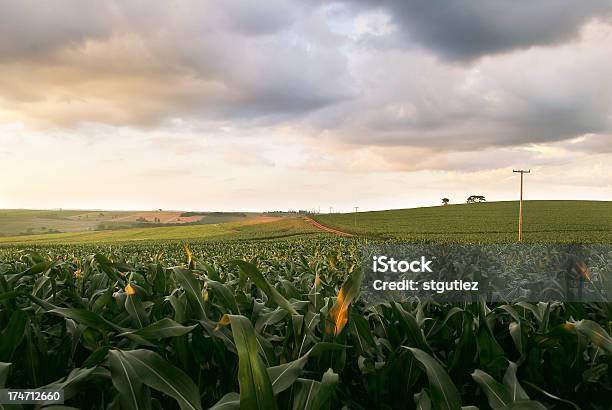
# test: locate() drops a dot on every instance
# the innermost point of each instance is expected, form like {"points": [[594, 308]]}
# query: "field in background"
{"points": [[19, 222], [261, 227], [544, 221]]}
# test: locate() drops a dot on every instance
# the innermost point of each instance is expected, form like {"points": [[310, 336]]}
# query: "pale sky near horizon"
{"points": [[285, 104]]}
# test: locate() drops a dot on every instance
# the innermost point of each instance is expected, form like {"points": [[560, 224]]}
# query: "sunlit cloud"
{"points": [[244, 105]]}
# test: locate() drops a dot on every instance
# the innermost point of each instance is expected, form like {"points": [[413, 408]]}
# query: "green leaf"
{"points": [[96, 357], [160, 375], [231, 401], [443, 392], [211, 272], [465, 350], [71, 384], [126, 381], [552, 396], [525, 405], [4, 371], [163, 328], [262, 283], [412, 328], [492, 356], [496, 392], [269, 318], [136, 310], [283, 376], [255, 386], [516, 332], [361, 332], [87, 318], [225, 296], [313, 395], [422, 400], [304, 393], [192, 289], [13, 334], [327, 387], [595, 333], [512, 384]]}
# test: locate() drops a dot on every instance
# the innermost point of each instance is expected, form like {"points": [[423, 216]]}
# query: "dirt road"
{"points": [[327, 228]]}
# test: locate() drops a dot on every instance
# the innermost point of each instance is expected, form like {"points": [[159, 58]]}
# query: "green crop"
{"points": [[279, 324], [544, 222]]}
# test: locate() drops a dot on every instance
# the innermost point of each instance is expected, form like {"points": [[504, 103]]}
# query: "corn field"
{"points": [[266, 325]]}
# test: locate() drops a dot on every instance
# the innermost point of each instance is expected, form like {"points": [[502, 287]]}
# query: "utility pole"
{"points": [[356, 208], [330, 209], [520, 229]]}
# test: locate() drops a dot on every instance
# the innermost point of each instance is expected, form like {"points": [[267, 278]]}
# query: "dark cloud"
{"points": [[306, 66], [31, 28], [468, 29], [138, 62]]}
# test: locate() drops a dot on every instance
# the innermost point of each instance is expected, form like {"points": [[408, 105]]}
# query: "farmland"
{"points": [[266, 314], [14, 222], [544, 221], [249, 228]]}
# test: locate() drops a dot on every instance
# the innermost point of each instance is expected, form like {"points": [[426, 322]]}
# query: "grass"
{"points": [[544, 221]]}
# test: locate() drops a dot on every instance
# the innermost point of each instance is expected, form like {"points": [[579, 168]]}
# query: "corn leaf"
{"points": [[231, 401], [255, 387], [595, 333], [160, 375], [262, 283], [422, 400], [283, 376], [443, 392], [192, 289], [496, 393], [4, 371], [128, 384], [13, 334], [512, 384], [163, 328]]}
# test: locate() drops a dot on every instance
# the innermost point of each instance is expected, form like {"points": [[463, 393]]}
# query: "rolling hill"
{"points": [[544, 221]]}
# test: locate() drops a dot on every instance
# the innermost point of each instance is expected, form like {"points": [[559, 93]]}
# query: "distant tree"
{"points": [[445, 201], [475, 198]]}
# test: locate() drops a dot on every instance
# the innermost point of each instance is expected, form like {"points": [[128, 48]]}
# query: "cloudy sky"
{"points": [[250, 105]]}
